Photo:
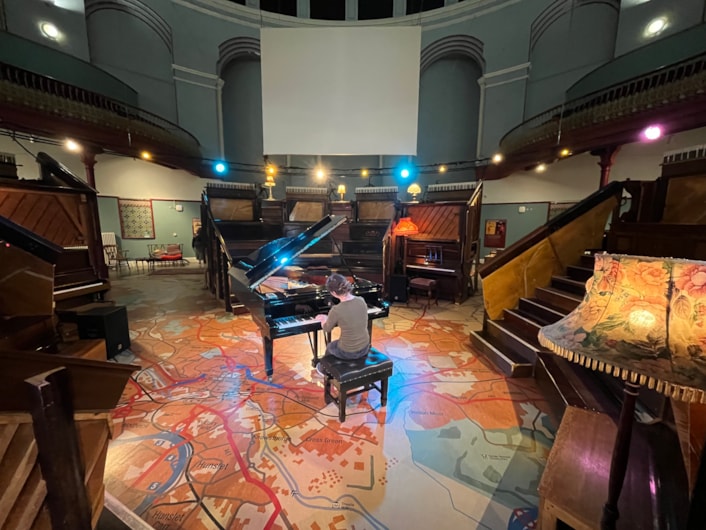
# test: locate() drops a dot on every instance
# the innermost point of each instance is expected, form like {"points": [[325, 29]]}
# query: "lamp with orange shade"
{"points": [[406, 227]]}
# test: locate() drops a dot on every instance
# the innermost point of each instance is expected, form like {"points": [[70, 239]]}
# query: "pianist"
{"points": [[351, 315]]}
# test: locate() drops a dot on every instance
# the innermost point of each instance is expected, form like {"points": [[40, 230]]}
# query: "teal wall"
{"points": [[167, 221], [518, 224], [63, 67]]}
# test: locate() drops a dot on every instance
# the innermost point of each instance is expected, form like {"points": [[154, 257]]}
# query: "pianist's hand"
{"points": [[321, 318]]}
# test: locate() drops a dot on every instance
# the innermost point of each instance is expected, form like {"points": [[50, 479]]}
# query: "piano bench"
{"points": [[351, 377], [424, 284]]}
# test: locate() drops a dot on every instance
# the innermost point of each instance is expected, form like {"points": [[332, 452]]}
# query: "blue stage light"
{"points": [[220, 168], [404, 173]]}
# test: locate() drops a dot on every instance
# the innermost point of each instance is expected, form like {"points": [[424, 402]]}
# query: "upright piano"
{"points": [[446, 247], [283, 306], [62, 209]]}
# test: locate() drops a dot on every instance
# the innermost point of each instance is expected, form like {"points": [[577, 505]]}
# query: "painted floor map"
{"points": [[203, 441]]}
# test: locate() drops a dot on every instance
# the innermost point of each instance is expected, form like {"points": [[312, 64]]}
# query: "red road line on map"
{"points": [[230, 362], [246, 473]]}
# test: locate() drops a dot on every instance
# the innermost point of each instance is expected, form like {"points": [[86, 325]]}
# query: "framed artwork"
{"points": [[136, 219], [195, 225], [495, 230], [556, 208]]}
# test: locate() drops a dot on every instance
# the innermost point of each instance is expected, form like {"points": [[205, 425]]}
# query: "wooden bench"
{"points": [[351, 377], [424, 284]]}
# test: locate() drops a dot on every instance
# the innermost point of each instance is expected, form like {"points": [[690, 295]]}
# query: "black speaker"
{"points": [[398, 288], [109, 323]]}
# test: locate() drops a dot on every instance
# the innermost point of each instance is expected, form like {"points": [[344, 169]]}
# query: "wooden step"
{"points": [[15, 467], [524, 325], [507, 363], [564, 283], [588, 260], [542, 313], [580, 274], [29, 502], [557, 299], [509, 339]]}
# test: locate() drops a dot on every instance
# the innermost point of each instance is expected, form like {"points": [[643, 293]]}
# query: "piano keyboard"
{"points": [[307, 320], [376, 189], [454, 186], [430, 268], [304, 190]]}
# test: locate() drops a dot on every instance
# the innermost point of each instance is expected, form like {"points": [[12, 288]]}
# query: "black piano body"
{"points": [[282, 307]]}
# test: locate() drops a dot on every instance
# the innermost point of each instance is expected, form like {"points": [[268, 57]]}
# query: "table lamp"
{"points": [[642, 319], [414, 189], [341, 191], [270, 183], [406, 227]]}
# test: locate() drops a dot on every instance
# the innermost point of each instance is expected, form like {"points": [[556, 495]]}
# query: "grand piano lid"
{"points": [[270, 258]]}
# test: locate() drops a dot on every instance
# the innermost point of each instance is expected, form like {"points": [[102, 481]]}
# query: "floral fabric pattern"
{"points": [[642, 319]]}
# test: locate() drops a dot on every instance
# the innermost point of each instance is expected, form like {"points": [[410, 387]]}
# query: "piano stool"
{"points": [[371, 371], [424, 284]]}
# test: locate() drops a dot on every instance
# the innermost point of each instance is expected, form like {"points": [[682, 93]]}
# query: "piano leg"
{"points": [[315, 348], [267, 345]]}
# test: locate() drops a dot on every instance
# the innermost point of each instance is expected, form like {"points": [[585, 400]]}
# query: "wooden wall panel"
{"points": [[685, 200], [232, 209], [437, 221], [376, 210]]}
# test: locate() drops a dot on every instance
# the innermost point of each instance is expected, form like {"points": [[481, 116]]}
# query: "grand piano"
{"points": [[282, 306]]}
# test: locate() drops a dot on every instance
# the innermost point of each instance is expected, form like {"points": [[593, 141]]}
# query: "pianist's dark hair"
{"points": [[336, 283]]}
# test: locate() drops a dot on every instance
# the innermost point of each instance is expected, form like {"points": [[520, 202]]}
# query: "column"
{"points": [[351, 9], [303, 9], [607, 157], [88, 157], [399, 8]]}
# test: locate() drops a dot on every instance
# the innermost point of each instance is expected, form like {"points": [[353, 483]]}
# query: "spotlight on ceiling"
{"points": [[541, 168], [497, 158], [72, 145], [146, 155], [49, 30], [655, 27], [364, 173], [565, 152]]}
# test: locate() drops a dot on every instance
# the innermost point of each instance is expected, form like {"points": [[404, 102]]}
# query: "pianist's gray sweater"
{"points": [[352, 317]]}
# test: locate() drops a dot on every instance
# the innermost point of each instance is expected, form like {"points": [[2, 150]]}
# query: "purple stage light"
{"points": [[652, 133]]}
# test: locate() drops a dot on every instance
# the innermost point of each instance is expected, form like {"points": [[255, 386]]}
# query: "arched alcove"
{"points": [[567, 40], [120, 33], [239, 68], [449, 101]]}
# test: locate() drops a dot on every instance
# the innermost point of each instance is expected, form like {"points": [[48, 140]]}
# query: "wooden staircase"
{"points": [[511, 345]]}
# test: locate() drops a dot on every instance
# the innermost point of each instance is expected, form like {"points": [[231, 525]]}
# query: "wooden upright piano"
{"points": [[53, 450], [62, 209], [446, 247]]}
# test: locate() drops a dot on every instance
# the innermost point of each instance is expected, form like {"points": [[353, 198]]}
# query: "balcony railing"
{"points": [[670, 84], [23, 88]]}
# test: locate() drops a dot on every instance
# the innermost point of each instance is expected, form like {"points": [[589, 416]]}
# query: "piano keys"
{"points": [[282, 307]]}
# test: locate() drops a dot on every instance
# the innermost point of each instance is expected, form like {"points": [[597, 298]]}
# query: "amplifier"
{"points": [[398, 288], [109, 323]]}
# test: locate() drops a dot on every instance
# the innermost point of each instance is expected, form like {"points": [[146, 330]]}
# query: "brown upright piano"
{"points": [[62, 209], [446, 247]]}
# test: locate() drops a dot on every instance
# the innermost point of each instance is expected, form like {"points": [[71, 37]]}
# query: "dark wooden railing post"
{"points": [[88, 157]]}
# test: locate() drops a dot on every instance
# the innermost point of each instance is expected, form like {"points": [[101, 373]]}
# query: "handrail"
{"points": [[550, 123], [561, 220], [33, 81]]}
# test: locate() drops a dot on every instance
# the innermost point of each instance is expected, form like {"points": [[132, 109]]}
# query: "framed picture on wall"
{"points": [[495, 230], [136, 219], [195, 225]]}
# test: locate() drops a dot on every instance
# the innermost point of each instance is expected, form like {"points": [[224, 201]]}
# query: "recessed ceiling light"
{"points": [[49, 30], [72, 145], [655, 26]]}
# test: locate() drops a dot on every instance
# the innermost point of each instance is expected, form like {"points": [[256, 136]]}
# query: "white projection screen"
{"points": [[340, 91]]}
